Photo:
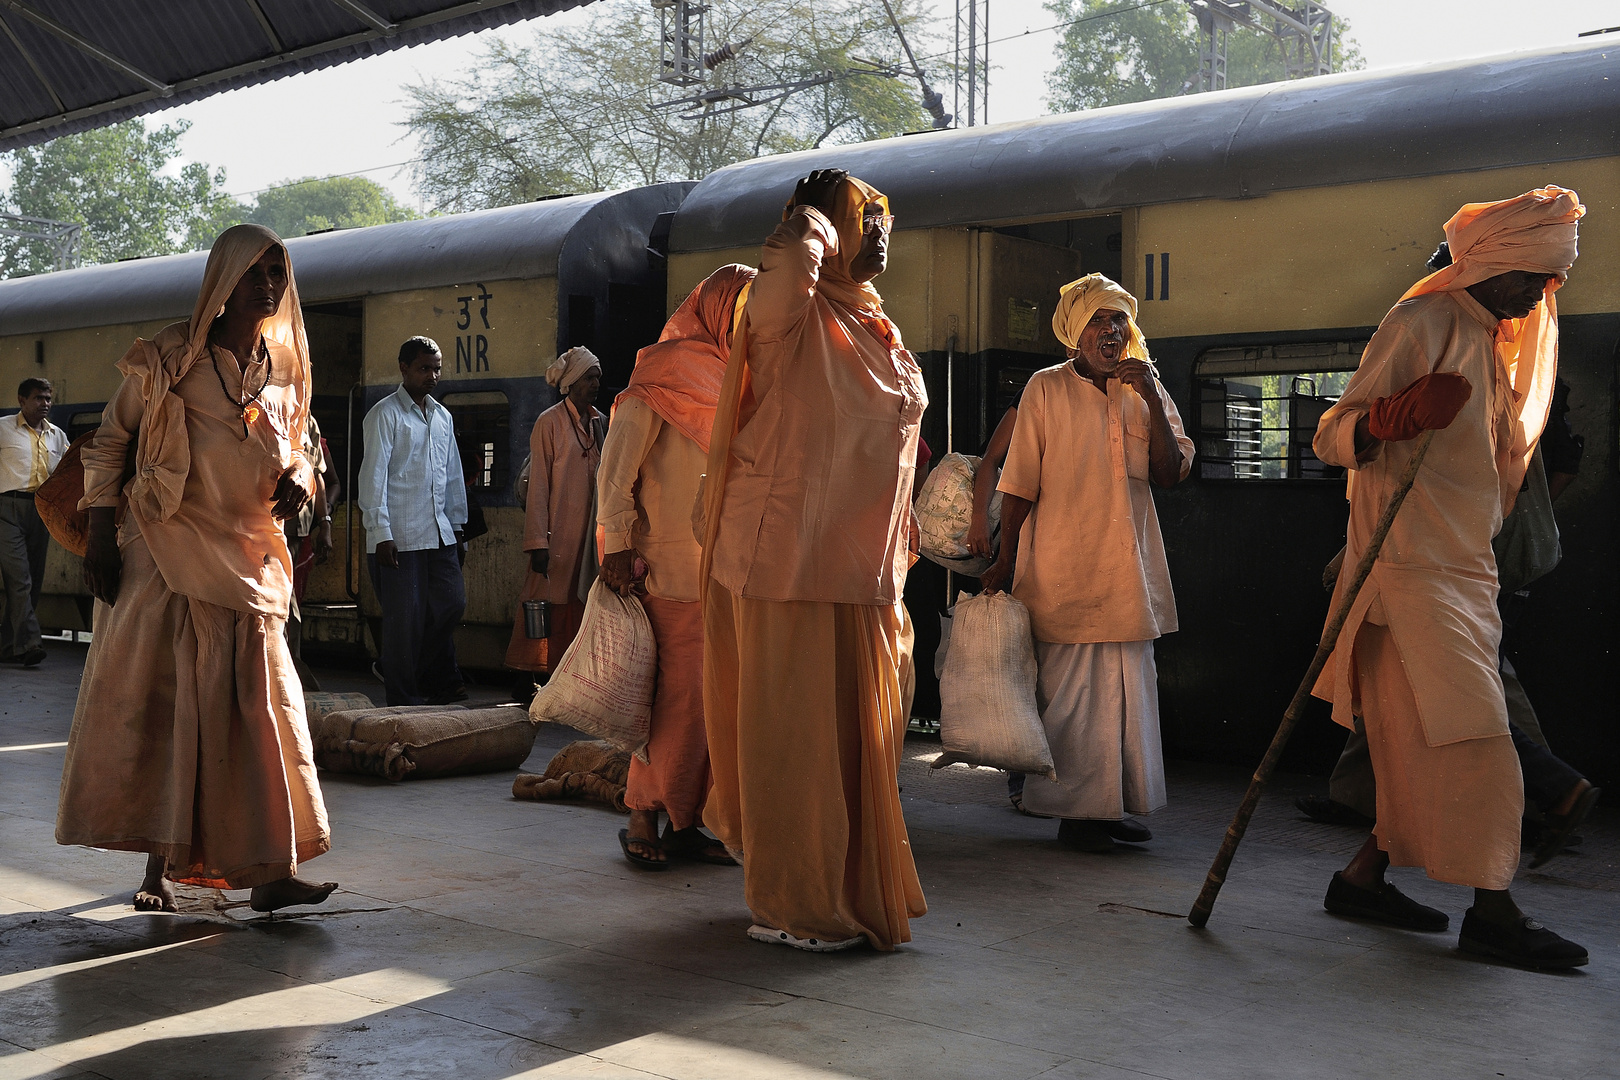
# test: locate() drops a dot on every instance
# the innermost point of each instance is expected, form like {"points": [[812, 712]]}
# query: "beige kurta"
{"points": [[189, 738], [818, 492], [562, 485], [1436, 574], [1091, 563], [645, 489]]}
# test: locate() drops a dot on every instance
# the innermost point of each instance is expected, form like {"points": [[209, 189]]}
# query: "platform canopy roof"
{"points": [[72, 65]]}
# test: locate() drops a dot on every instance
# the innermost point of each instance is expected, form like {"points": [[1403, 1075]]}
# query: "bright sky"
{"points": [[345, 119]]}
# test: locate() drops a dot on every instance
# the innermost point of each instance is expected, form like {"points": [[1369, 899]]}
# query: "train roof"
{"points": [[526, 241], [1557, 104]]}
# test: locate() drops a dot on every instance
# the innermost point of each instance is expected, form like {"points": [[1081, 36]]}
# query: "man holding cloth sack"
{"points": [[1081, 548]]}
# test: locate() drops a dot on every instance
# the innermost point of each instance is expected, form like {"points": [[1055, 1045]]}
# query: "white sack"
{"points": [[603, 686], [987, 713], [945, 511]]}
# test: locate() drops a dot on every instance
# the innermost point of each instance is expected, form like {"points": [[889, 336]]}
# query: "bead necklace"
{"points": [[248, 408]]}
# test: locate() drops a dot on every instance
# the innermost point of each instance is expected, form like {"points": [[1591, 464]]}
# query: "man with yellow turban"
{"points": [[1470, 352], [807, 505], [1081, 547]]}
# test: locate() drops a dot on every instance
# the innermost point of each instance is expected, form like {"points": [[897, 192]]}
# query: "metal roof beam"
{"points": [[90, 48], [270, 34], [367, 16], [33, 65], [226, 74]]}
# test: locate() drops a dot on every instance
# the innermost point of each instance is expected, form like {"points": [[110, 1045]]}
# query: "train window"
{"points": [[1258, 407], [81, 422], [483, 432]]}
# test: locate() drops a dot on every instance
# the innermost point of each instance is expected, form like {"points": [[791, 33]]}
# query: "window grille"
{"points": [[483, 434], [1258, 408]]}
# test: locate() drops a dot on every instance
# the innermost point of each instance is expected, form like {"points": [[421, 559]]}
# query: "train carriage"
{"points": [[1265, 232], [502, 291]]}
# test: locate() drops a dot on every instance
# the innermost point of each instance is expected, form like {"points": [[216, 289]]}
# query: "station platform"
{"points": [[476, 936]]}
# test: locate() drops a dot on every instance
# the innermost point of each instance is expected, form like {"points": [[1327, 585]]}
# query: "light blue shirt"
{"points": [[411, 488]]}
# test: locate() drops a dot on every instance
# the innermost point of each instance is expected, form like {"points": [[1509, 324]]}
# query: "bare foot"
{"points": [[288, 892], [156, 892]]}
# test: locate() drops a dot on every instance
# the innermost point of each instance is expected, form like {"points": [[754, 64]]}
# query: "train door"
{"points": [[330, 607]]}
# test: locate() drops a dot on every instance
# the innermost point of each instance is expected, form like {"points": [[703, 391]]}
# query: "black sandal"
{"points": [[694, 844], [641, 861]]}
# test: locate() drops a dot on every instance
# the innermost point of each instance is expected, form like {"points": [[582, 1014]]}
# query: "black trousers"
{"points": [[422, 601], [23, 543]]}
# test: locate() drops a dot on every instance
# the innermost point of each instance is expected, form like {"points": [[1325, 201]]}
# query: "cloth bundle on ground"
{"points": [[603, 685], [318, 704], [987, 710], [591, 769], [945, 510], [419, 742]]}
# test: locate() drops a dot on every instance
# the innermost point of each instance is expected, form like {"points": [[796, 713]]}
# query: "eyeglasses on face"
{"points": [[871, 223]]}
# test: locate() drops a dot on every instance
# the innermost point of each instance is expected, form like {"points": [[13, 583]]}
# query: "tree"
{"points": [[112, 181], [339, 202], [1115, 52], [579, 109]]}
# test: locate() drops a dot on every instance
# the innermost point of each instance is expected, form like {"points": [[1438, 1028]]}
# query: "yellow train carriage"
{"points": [[1265, 232], [502, 291]]}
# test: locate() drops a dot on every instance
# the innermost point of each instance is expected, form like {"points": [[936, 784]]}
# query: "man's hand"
{"points": [[540, 561], [323, 542], [388, 555], [1137, 375], [997, 578], [103, 562], [818, 188], [618, 570], [294, 490], [978, 536]]}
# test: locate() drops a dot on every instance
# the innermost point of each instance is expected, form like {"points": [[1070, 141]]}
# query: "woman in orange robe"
{"points": [[189, 740], [808, 540]]}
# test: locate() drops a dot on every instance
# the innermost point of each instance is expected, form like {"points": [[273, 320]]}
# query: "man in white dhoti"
{"points": [[1470, 352], [1081, 546]]}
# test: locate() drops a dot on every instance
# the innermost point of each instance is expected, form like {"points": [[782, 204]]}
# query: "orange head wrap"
{"points": [[1533, 232], [848, 214]]}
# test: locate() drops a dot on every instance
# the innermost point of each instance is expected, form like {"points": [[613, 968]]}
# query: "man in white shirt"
{"points": [[30, 447], [413, 502]]}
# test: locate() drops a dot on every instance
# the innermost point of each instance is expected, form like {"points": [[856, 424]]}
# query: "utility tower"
{"points": [[64, 237], [1303, 28], [973, 61]]}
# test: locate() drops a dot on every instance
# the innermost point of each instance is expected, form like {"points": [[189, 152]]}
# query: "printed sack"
{"points": [[987, 713], [945, 510], [603, 685]]}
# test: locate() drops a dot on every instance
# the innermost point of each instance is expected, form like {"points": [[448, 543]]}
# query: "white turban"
{"points": [[566, 370], [1079, 300]]}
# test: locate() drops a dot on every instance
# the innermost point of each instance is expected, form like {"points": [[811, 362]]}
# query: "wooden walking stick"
{"points": [[1330, 637]]}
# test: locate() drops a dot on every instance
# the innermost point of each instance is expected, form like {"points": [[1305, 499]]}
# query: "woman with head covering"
{"points": [[559, 530], [807, 510], [652, 464], [189, 741]]}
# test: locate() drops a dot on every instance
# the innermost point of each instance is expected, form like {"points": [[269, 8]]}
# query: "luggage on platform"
{"points": [[603, 685], [418, 742], [987, 713]]}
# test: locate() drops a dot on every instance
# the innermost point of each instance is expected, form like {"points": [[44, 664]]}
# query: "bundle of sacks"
{"points": [[592, 769], [945, 510], [417, 742]]}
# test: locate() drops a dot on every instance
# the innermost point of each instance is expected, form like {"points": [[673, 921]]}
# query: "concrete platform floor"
{"points": [[477, 936]]}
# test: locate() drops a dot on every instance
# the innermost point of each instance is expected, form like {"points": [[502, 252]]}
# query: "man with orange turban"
{"points": [[1081, 548], [807, 512], [652, 462], [1470, 352]]}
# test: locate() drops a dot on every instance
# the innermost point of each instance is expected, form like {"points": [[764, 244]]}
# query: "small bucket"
{"points": [[536, 619]]}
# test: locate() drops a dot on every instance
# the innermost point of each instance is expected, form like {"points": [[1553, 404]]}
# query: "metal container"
{"points": [[536, 619]]}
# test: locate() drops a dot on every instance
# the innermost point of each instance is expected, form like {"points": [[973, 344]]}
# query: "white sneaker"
{"points": [[782, 937]]}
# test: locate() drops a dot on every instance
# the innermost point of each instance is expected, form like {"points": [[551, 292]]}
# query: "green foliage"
{"points": [[114, 182], [1122, 52], [578, 110], [312, 204]]}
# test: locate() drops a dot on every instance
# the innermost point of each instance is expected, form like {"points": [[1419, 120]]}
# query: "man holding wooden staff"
{"points": [[1471, 351]]}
